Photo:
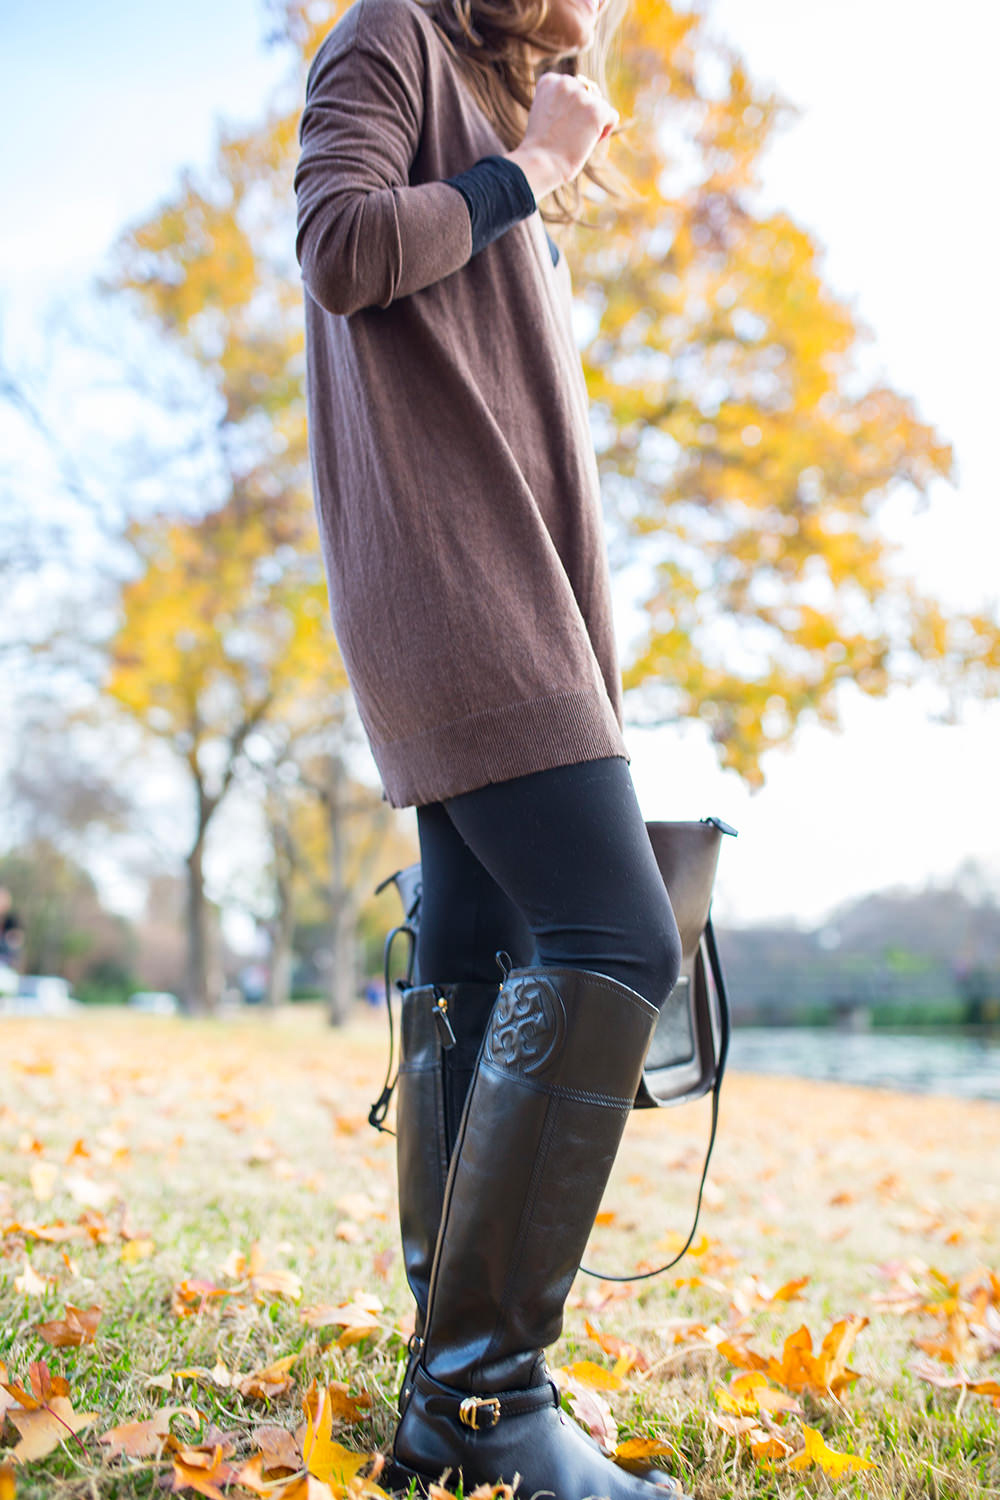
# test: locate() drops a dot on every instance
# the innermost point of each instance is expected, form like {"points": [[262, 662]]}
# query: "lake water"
{"points": [[966, 1064]]}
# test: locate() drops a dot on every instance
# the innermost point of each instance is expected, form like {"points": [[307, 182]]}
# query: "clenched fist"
{"points": [[568, 117]]}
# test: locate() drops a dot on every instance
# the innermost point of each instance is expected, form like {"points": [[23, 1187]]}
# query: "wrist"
{"points": [[539, 168]]}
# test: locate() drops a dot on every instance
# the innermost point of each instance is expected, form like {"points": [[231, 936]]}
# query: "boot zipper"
{"points": [[444, 1028]]}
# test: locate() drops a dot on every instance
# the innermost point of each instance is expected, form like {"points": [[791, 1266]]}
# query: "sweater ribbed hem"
{"points": [[498, 744]]}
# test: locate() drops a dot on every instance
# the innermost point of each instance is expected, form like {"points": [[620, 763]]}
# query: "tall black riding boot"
{"points": [[553, 1087], [441, 1030]]}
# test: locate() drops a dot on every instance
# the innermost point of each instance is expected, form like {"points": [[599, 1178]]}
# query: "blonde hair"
{"points": [[487, 38]]}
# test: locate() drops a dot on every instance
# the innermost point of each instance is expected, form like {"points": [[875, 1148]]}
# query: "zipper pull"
{"points": [[441, 1021]]}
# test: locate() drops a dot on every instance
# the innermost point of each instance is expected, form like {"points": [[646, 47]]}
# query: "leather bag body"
{"points": [[687, 1054]]}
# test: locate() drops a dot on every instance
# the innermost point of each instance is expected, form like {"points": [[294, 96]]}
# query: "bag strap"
{"points": [[724, 1029], [379, 1110]]}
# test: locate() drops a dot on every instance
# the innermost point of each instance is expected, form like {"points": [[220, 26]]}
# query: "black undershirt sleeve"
{"points": [[498, 196]]}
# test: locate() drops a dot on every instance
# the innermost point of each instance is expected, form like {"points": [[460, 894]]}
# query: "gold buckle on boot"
{"points": [[470, 1408]]}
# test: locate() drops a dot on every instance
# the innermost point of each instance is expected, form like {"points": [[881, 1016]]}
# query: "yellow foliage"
{"points": [[746, 459], [737, 444]]}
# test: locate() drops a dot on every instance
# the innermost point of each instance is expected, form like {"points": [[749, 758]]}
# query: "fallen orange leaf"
{"points": [[260, 1280], [617, 1347], [78, 1327], [799, 1368], [829, 1459], [750, 1393], [203, 1467], [193, 1295], [358, 1318], [791, 1289], [592, 1375], [44, 1428], [323, 1456], [955, 1344], [137, 1249], [635, 1453], [278, 1448], [144, 1439], [274, 1380]]}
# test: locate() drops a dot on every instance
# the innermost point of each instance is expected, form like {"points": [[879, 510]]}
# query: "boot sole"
{"points": [[398, 1479]]}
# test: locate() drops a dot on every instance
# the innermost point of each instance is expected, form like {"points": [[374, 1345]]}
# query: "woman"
{"points": [[457, 495]]}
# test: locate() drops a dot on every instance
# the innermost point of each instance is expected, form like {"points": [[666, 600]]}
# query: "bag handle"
{"points": [[379, 1110], [720, 987]]}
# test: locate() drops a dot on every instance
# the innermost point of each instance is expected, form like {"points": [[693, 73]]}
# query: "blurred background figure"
{"points": [[11, 932]]}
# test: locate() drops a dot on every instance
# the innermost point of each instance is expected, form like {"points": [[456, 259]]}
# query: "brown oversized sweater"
{"points": [[453, 467]]}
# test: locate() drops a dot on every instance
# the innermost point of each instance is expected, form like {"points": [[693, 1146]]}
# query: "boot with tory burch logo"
{"points": [[552, 1090]]}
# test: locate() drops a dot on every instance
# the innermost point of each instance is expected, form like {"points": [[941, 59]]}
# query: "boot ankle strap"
{"points": [[483, 1412]]}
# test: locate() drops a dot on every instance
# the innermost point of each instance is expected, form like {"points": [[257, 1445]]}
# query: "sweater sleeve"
{"points": [[365, 237], [499, 196]]}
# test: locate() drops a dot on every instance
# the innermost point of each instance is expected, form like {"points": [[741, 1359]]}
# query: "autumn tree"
{"points": [[743, 455], [225, 636], [219, 636], [331, 835], [332, 838]]}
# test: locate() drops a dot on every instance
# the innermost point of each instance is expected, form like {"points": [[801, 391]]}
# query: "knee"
{"points": [[662, 954]]}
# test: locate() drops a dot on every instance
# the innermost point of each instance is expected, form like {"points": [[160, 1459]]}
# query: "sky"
{"points": [[886, 163]]}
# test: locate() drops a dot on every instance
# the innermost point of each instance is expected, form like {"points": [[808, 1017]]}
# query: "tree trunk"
{"points": [[197, 996], [342, 976], [279, 973]]}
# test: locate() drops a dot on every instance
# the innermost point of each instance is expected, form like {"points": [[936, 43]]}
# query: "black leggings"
{"points": [[556, 869]]}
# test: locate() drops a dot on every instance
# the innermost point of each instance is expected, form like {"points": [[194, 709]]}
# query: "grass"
{"points": [[192, 1141]]}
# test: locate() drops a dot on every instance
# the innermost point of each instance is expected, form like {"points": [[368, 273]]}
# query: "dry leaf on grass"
{"points": [[273, 1380], [761, 1436], [46, 1426], [30, 1284], [8, 1482], [191, 1296], [137, 1249], [145, 1439], [799, 1368], [954, 1346], [359, 1318], [203, 1467], [325, 1458], [635, 1453], [261, 1281], [52, 1233], [78, 1327], [43, 1383], [829, 1459], [617, 1347], [594, 1376], [750, 1393], [278, 1448], [341, 1407], [959, 1382]]}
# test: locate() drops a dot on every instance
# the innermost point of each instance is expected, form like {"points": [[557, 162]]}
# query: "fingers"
{"points": [[611, 114]]}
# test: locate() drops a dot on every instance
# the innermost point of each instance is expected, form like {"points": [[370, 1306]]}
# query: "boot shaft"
{"points": [[441, 1030], [557, 1077]]}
